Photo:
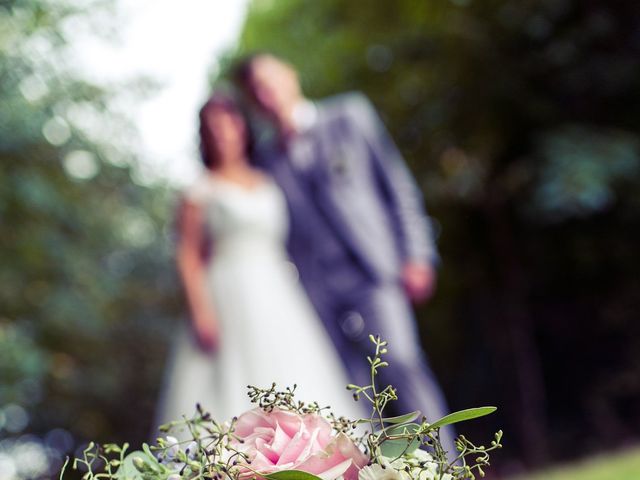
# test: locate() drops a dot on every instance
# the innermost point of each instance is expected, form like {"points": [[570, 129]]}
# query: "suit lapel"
{"points": [[324, 180]]}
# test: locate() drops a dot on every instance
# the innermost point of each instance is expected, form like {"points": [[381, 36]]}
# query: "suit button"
{"points": [[352, 325]]}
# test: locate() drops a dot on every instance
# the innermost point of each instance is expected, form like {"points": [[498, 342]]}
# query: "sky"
{"points": [[175, 44]]}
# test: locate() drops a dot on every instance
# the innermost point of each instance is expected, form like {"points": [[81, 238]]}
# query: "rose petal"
{"points": [[280, 440], [316, 422], [283, 440], [262, 463], [290, 422], [321, 462], [340, 449], [335, 471], [297, 449], [347, 447], [249, 421], [265, 449]]}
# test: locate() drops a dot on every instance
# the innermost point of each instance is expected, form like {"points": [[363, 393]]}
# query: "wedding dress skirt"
{"points": [[269, 330]]}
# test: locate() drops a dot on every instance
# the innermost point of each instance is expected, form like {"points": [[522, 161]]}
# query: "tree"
{"points": [[87, 293], [520, 122]]}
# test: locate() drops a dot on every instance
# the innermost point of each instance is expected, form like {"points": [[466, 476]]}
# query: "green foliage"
{"points": [[291, 475], [519, 121], [213, 452], [402, 418], [407, 442], [625, 464], [271, 398], [137, 463], [88, 291], [401, 439], [463, 415]]}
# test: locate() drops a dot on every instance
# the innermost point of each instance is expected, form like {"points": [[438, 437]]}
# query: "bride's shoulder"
{"points": [[263, 176], [268, 181], [200, 191]]}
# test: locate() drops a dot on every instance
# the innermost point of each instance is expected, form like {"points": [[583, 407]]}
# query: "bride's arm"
{"points": [[192, 273]]}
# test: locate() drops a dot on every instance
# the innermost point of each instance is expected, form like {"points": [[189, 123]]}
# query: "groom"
{"points": [[359, 236]]}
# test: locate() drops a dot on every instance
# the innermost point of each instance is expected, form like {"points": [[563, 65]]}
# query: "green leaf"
{"points": [[128, 470], [290, 475], [147, 450], [407, 417], [397, 447], [462, 415]]}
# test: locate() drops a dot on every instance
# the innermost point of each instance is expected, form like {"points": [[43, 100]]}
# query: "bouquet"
{"points": [[283, 438]]}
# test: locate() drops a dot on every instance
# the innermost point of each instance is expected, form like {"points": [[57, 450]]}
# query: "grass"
{"points": [[621, 466]]}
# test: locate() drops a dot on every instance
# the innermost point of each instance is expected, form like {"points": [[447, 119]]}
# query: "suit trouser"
{"points": [[383, 309]]}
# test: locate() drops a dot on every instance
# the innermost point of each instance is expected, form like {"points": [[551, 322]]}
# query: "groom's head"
{"points": [[272, 84]]}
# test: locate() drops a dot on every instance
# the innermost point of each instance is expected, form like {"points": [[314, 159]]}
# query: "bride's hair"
{"points": [[217, 101]]}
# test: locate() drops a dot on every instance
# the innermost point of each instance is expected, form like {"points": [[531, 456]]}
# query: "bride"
{"points": [[251, 322]]}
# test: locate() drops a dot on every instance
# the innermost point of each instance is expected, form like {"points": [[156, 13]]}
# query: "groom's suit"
{"points": [[356, 219]]}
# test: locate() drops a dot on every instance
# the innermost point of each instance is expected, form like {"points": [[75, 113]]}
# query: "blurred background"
{"points": [[519, 119]]}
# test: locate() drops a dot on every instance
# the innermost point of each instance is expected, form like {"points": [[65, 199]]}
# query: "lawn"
{"points": [[620, 466]]}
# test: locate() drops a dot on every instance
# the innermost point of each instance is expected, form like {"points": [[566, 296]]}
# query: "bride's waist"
{"points": [[248, 250]]}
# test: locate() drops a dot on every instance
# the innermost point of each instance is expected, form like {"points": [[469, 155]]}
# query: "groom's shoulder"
{"points": [[264, 155], [352, 104]]}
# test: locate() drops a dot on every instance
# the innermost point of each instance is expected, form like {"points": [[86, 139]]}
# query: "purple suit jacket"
{"points": [[354, 189]]}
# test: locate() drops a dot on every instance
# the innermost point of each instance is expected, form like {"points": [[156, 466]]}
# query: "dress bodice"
{"points": [[258, 304], [242, 221]]}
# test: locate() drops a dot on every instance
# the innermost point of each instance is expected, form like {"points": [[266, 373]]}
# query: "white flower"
{"points": [[192, 450], [380, 472], [428, 469], [430, 472], [421, 455], [420, 466], [173, 447]]}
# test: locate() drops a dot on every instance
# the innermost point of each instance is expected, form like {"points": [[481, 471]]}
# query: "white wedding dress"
{"points": [[269, 330]]}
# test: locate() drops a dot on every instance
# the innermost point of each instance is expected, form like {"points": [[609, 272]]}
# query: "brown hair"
{"points": [[217, 101], [241, 71]]}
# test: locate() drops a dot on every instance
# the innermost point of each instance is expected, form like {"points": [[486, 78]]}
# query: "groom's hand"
{"points": [[419, 281]]}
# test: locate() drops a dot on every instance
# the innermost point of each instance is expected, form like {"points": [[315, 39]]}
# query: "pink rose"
{"points": [[283, 440]]}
